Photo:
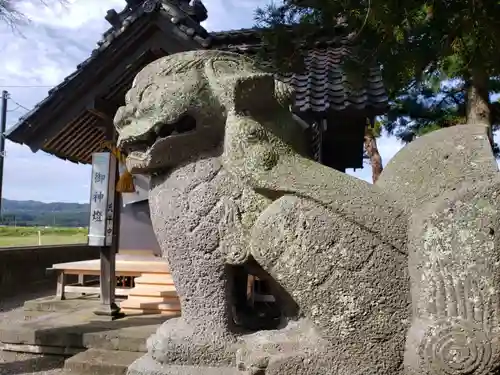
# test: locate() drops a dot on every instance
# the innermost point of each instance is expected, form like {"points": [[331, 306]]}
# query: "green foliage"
{"points": [[380, 32], [30, 236], [433, 104], [419, 44], [33, 231], [425, 107], [408, 38], [377, 129], [33, 213]]}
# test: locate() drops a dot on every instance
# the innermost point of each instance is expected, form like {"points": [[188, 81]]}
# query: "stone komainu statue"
{"points": [[231, 185]]}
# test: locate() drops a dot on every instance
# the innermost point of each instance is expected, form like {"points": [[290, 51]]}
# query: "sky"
{"points": [[41, 53]]}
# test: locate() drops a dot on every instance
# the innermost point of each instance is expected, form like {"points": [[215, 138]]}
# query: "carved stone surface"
{"points": [[450, 180], [437, 163], [231, 186], [454, 261], [349, 283]]}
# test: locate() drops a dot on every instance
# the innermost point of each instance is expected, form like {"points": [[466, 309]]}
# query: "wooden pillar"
{"points": [[108, 306]]}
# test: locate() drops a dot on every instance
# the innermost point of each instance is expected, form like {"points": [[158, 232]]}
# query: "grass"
{"points": [[28, 236]]}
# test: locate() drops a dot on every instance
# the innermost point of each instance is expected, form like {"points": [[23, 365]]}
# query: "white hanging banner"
{"points": [[102, 199]]}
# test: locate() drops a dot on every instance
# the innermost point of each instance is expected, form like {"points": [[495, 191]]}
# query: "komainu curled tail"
{"points": [[454, 268], [449, 181]]}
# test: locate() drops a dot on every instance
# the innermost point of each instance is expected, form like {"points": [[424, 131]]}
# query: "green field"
{"points": [[28, 236]]}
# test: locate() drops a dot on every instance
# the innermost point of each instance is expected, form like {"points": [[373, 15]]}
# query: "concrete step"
{"points": [[151, 311], [140, 305], [147, 300], [101, 362], [154, 279], [152, 294], [153, 291], [135, 304]]}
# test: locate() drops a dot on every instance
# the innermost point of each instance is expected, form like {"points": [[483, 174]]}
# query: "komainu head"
{"points": [[178, 106]]}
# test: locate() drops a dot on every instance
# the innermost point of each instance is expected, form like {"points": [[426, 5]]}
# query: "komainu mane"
{"points": [[232, 188]]}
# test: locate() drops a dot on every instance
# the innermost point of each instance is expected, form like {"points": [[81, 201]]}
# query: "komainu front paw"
{"points": [[176, 342]]}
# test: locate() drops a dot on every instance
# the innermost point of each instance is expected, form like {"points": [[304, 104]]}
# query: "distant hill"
{"points": [[34, 213]]}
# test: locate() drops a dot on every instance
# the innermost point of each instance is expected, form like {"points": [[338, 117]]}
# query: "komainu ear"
{"points": [[254, 92], [240, 85]]}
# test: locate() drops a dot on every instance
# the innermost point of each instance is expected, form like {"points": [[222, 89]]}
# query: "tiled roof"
{"points": [[323, 85]]}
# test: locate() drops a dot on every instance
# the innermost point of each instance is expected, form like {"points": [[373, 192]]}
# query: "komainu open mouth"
{"points": [[158, 133]]}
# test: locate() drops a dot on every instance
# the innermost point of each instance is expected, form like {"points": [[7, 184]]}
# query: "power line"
{"points": [[13, 110], [18, 105]]}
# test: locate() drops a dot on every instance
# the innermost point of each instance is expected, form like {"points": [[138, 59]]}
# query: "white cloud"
{"points": [[43, 177], [40, 55], [231, 14], [69, 15]]}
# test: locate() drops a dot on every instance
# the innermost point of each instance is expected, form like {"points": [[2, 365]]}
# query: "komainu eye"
{"points": [[255, 134], [148, 91]]}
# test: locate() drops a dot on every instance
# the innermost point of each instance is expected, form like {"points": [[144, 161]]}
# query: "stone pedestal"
{"points": [[148, 366]]}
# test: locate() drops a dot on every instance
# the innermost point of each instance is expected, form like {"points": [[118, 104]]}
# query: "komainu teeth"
{"points": [[159, 131]]}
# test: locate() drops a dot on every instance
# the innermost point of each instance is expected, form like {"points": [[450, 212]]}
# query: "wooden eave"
{"points": [[71, 122]]}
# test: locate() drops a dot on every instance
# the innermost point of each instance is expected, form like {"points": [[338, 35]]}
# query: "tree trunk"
{"points": [[371, 150], [478, 110]]}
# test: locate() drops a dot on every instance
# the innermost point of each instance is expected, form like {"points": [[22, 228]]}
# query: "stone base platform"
{"points": [[148, 366], [70, 326], [101, 347], [100, 362]]}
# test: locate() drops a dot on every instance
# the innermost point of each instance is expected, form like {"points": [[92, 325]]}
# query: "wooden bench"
{"points": [[126, 265]]}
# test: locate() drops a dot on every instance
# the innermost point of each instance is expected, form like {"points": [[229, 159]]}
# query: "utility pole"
{"points": [[3, 125]]}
